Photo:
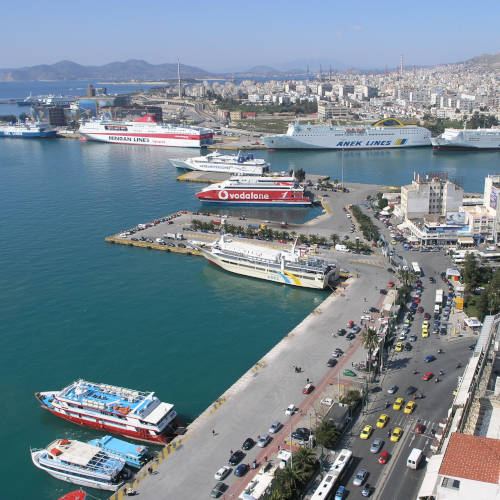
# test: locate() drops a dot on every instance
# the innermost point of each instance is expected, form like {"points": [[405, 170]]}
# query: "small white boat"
{"points": [[81, 463]]}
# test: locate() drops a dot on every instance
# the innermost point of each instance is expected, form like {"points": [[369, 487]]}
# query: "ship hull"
{"points": [[28, 135], [262, 197], [207, 167], [266, 273], [145, 139]]}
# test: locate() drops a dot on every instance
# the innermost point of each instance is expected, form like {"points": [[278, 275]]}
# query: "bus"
{"points": [[326, 489], [416, 268]]}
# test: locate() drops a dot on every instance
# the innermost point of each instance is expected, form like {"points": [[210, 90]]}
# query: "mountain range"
{"points": [[135, 69]]}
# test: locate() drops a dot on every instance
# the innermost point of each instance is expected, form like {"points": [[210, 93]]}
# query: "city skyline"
{"points": [[227, 37]]}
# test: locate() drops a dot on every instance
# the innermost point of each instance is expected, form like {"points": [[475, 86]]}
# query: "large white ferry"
{"points": [[27, 130], [136, 414], [467, 139], [280, 266], [81, 463], [145, 132], [243, 190], [387, 133], [240, 164]]}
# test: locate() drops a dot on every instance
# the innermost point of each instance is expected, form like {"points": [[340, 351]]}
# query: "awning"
{"points": [[466, 240]]}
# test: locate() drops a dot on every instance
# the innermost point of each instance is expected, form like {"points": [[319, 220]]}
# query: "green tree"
{"points": [[300, 174], [351, 398], [470, 273], [327, 434], [335, 238], [304, 464], [287, 483]]}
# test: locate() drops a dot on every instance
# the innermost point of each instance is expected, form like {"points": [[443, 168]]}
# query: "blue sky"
{"points": [[223, 35]]}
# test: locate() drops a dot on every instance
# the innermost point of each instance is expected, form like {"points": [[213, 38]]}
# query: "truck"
{"points": [[439, 297], [253, 226], [179, 236], [341, 248], [170, 236], [414, 458]]}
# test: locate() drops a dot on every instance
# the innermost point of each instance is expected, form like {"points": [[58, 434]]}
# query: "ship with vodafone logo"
{"points": [[145, 131], [251, 190]]}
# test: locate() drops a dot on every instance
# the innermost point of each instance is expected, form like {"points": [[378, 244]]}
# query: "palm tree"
{"points": [[335, 238], [370, 341], [287, 483]]}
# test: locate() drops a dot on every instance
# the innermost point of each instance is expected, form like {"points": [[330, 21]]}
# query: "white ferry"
{"points": [[240, 164], [138, 415], [145, 132], [279, 266], [27, 130], [81, 463], [467, 139], [387, 133]]}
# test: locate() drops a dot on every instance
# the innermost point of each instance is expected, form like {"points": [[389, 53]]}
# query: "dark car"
{"points": [[429, 358], [390, 270], [432, 280], [236, 457], [331, 362], [383, 291], [301, 434], [408, 346], [241, 470], [248, 444], [411, 390], [342, 331], [218, 490], [350, 336], [444, 330], [374, 310]]}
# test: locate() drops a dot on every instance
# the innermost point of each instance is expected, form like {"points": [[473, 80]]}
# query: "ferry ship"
{"points": [[133, 455], [279, 266], [243, 190], [467, 139], [387, 133], [138, 415], [145, 132], [81, 463], [27, 130], [240, 164]]}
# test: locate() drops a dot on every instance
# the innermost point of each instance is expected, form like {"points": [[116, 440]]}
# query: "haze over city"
{"points": [[233, 36]]}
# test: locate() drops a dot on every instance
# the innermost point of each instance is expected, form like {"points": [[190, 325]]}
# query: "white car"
{"points": [[402, 336], [291, 409], [223, 472], [366, 317], [264, 441], [327, 401]]}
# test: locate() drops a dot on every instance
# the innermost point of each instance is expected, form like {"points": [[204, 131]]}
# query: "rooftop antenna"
{"points": [[179, 76], [330, 74], [320, 73], [307, 72], [401, 66], [386, 71], [414, 70]]}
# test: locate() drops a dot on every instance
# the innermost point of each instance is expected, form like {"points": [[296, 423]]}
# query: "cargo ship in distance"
{"points": [[387, 133], [240, 164], [138, 415], [467, 139], [145, 132], [280, 266], [27, 130], [268, 191]]}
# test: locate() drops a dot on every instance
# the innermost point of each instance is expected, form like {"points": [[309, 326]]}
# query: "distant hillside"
{"points": [[491, 60], [132, 69]]}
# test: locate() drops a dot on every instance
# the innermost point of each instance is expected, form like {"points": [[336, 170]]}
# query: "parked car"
{"points": [[275, 427], [236, 457], [241, 470], [429, 358], [308, 388], [331, 362], [222, 473], [264, 440], [218, 490]]}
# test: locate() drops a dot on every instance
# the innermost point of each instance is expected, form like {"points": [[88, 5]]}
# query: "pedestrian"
{"points": [[231, 452], [352, 363], [279, 448], [265, 458], [258, 437], [307, 380], [150, 470]]}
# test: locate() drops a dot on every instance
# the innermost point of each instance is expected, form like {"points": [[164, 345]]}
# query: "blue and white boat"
{"points": [[81, 463], [134, 456], [27, 130]]}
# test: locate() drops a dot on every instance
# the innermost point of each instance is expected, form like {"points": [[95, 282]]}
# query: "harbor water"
{"points": [[73, 306]]}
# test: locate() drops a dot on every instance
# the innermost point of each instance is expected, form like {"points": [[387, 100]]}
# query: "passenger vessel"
{"points": [[467, 139], [241, 164], [244, 190], [138, 415], [27, 130], [279, 266], [145, 132], [387, 133], [81, 463]]}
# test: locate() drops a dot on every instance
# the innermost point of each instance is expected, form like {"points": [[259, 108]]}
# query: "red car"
{"points": [[282, 241], [308, 389], [384, 456], [390, 284], [419, 283], [427, 376], [417, 300], [419, 429], [420, 309], [427, 316], [350, 324]]}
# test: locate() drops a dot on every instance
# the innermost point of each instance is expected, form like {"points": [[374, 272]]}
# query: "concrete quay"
{"points": [[260, 396]]}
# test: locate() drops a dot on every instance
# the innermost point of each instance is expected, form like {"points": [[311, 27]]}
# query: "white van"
{"points": [[414, 458], [341, 248]]}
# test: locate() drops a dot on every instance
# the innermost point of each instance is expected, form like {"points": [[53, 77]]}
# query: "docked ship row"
{"points": [[385, 134]]}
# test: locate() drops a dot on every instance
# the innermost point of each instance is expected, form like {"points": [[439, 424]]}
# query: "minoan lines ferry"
{"points": [[138, 415], [387, 133], [146, 132], [242, 190]]}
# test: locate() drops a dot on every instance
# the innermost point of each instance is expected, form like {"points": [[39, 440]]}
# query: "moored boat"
{"points": [[81, 463], [467, 139], [134, 456], [135, 414], [27, 130]]}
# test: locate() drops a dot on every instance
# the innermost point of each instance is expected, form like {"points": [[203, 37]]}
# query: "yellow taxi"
{"points": [[396, 434], [425, 324], [398, 404], [366, 432], [399, 347], [382, 420], [410, 406], [425, 333]]}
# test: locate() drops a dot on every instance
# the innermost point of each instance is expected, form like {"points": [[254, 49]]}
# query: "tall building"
{"points": [[491, 202]]}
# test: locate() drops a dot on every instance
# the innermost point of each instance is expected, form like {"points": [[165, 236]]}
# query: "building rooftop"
{"points": [[472, 457]]}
